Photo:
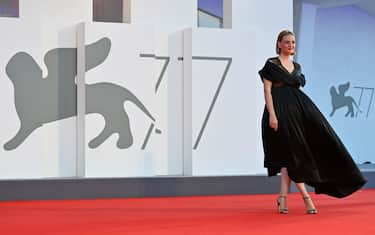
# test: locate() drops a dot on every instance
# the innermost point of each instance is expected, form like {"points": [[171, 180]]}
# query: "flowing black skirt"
{"points": [[307, 146]]}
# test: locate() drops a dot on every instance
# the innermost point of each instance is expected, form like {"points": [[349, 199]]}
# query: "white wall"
{"points": [[164, 12], [175, 105], [43, 25], [226, 146], [125, 68], [157, 28], [169, 17]]}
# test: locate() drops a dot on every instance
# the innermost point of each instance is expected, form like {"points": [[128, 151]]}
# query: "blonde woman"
{"points": [[298, 141]]}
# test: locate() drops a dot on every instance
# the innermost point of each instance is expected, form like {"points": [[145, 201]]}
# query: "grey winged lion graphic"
{"points": [[340, 100], [41, 100]]}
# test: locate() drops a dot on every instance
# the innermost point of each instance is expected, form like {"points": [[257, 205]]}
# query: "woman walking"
{"points": [[298, 141]]}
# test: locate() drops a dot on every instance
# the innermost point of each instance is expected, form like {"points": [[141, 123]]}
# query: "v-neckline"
{"points": [[285, 69]]}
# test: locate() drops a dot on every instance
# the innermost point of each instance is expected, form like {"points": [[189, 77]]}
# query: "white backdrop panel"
{"points": [[49, 151], [227, 144], [124, 67]]}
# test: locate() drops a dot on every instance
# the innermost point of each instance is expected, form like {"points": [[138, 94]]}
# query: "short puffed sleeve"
{"points": [[266, 72], [300, 77]]}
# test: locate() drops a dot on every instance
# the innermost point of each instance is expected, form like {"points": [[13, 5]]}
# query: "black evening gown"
{"points": [[304, 143]]}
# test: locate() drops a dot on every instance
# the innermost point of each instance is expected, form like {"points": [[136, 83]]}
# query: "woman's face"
{"points": [[287, 45]]}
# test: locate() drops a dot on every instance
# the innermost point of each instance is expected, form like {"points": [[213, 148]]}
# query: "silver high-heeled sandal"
{"points": [[281, 210], [311, 211]]}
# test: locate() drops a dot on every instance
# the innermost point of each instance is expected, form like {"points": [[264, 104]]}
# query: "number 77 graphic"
{"points": [[217, 92], [213, 102]]}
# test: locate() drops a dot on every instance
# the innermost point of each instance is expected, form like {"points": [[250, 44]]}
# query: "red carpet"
{"points": [[245, 214]]}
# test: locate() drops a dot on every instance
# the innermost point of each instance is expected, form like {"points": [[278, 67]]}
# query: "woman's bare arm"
{"points": [[269, 104]]}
